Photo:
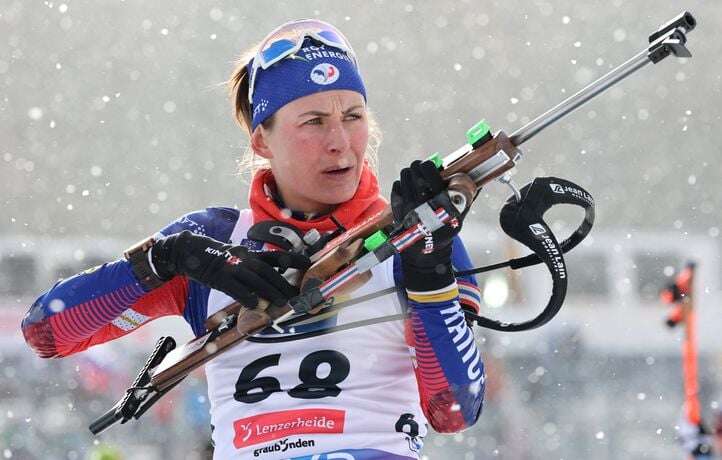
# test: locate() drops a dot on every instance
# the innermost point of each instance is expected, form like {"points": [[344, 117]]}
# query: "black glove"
{"points": [[242, 274], [426, 264]]}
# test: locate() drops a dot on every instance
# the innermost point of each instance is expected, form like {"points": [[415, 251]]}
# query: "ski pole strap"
{"points": [[523, 220]]}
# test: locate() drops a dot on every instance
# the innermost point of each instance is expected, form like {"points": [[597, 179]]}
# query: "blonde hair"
{"points": [[249, 162]]}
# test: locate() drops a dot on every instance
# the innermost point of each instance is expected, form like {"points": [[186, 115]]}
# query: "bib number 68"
{"points": [[250, 389]]}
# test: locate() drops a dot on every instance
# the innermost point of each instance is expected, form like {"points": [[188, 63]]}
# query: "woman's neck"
{"points": [[300, 207]]}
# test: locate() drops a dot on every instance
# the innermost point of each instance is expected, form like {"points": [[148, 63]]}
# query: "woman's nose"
{"points": [[338, 138]]}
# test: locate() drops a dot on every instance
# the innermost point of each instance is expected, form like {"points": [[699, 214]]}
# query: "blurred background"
{"points": [[114, 120]]}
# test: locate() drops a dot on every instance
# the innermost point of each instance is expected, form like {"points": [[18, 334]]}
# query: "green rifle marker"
{"points": [[478, 134], [375, 240], [436, 159]]}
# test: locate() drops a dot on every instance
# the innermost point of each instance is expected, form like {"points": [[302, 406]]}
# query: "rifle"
{"points": [[680, 294], [344, 263]]}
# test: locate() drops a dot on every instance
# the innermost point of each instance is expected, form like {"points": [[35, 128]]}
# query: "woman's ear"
{"points": [[259, 142]]}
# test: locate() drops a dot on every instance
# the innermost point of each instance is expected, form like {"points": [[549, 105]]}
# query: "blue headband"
{"points": [[313, 69]]}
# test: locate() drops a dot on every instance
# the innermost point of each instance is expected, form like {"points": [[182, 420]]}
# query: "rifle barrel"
{"points": [[529, 130]]}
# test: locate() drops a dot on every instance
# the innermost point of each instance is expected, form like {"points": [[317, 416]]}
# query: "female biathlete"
{"points": [[360, 393]]}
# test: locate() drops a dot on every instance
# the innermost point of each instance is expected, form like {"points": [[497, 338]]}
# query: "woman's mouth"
{"points": [[337, 172]]}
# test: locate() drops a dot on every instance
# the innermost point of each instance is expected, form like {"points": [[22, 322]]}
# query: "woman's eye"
{"points": [[354, 116], [313, 121]]}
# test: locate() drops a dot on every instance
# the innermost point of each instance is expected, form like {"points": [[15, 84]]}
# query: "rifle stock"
{"points": [[235, 328]]}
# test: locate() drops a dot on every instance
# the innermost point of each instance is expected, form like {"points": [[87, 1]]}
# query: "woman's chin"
{"points": [[336, 193], [337, 196]]}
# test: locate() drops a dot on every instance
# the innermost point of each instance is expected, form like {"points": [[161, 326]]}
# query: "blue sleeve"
{"points": [[449, 367], [107, 302]]}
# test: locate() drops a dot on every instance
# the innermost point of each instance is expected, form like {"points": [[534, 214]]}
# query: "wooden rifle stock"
{"points": [[235, 327]]}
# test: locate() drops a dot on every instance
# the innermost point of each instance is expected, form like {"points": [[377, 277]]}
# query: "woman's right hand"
{"points": [[240, 273]]}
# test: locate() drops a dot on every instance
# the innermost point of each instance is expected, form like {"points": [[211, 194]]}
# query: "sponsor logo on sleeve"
{"points": [[463, 338], [193, 226], [129, 320], [276, 425]]}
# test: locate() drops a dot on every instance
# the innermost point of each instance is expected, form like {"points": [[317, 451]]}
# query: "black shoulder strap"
{"points": [[523, 220]]}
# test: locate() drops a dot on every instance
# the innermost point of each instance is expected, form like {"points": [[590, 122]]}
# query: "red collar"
{"points": [[365, 203]]}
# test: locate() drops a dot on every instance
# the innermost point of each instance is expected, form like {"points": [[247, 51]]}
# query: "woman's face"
{"points": [[316, 149]]}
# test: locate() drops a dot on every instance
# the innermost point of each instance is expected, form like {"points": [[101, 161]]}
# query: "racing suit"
{"points": [[360, 393]]}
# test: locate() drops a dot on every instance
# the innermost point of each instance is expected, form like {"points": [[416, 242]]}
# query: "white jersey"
{"points": [[352, 392]]}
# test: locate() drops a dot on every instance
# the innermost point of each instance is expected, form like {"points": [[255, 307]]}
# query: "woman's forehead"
{"points": [[326, 101]]}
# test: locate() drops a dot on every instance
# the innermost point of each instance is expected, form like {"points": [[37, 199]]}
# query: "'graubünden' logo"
{"points": [[325, 74], [283, 445], [275, 425]]}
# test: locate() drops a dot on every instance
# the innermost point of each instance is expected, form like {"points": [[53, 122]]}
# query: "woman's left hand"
{"points": [[431, 256], [418, 184]]}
